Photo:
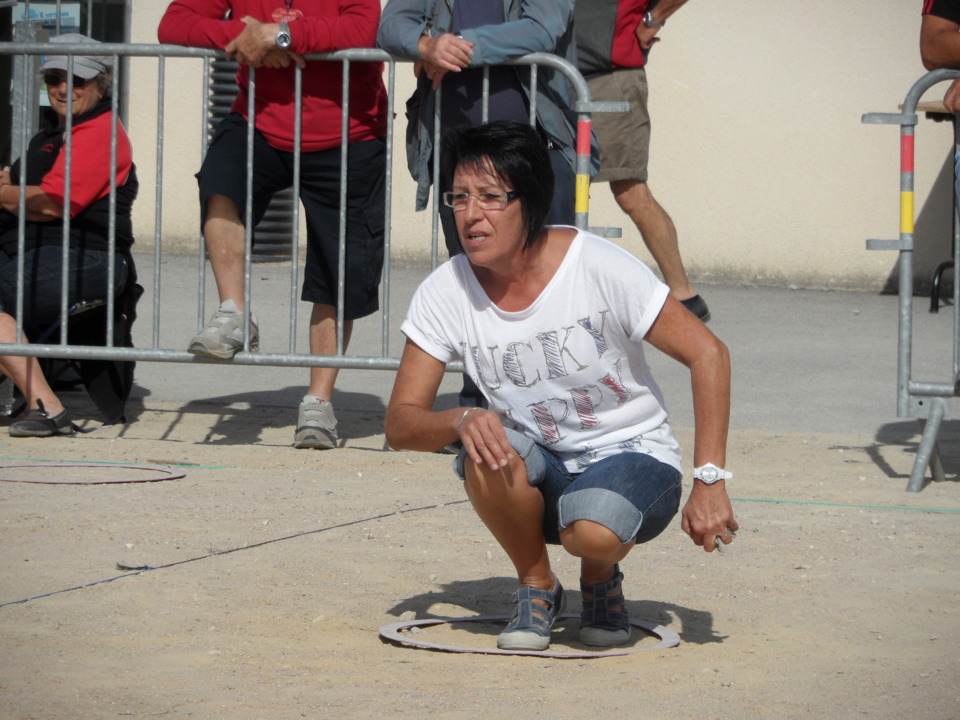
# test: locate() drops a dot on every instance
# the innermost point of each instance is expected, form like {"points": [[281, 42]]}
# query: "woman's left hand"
{"points": [[482, 435], [708, 516]]}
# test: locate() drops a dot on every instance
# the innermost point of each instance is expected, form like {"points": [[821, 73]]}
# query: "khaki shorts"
{"points": [[624, 138]]}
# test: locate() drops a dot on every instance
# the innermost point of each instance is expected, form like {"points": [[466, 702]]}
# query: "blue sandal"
{"points": [[530, 627], [603, 619]]}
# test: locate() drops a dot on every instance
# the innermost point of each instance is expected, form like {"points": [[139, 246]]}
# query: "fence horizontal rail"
{"points": [[155, 353]]}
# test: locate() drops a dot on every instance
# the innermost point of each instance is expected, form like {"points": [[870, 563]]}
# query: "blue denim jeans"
{"points": [[42, 278], [632, 494]]}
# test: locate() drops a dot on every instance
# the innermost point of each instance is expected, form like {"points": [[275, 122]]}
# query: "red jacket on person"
{"points": [[320, 26], [606, 34]]}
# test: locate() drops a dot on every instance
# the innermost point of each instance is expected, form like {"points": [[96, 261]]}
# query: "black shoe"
{"points": [[698, 307], [37, 423]]}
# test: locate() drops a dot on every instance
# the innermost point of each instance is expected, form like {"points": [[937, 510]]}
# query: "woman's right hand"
{"points": [[484, 439]]}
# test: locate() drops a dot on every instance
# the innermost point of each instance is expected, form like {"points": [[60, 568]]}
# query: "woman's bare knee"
{"points": [[588, 539]]}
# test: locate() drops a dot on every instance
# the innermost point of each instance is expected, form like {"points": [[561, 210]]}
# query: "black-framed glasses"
{"points": [[54, 80], [486, 200]]}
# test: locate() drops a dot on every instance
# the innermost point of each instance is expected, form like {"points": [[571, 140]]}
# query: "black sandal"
{"points": [[37, 422]]}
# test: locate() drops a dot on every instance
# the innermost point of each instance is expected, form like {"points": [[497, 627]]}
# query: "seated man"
{"points": [[272, 41], [88, 100]]}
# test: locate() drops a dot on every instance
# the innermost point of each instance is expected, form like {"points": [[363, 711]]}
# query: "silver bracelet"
{"points": [[464, 416]]}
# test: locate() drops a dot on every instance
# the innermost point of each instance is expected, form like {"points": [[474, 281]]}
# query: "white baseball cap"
{"points": [[85, 66]]}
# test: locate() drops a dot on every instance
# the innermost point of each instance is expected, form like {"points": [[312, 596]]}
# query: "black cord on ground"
{"points": [[149, 568]]}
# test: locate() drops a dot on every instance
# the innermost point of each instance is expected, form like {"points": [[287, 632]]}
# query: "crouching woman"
{"points": [[575, 448]]}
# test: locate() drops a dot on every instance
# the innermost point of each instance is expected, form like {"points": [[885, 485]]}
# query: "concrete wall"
{"points": [[758, 150]]}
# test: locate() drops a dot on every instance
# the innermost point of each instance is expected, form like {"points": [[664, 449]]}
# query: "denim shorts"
{"points": [[632, 494], [42, 279]]}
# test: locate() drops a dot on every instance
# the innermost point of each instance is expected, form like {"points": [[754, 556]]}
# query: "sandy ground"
{"points": [[271, 571]]}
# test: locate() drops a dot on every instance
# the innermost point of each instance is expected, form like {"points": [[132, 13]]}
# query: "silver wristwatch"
{"points": [[709, 474], [649, 21], [283, 36]]}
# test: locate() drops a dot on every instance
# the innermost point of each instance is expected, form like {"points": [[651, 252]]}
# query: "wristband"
{"points": [[464, 417]]}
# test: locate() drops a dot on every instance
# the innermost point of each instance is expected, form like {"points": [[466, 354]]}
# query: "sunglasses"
{"points": [[54, 80]]}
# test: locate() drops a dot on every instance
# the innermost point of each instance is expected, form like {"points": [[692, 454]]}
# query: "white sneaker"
{"points": [[316, 425], [222, 338]]}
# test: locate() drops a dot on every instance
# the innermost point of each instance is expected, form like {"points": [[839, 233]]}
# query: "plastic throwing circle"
{"points": [[392, 632], [169, 473]]}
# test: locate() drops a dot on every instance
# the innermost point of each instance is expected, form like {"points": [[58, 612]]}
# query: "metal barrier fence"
{"points": [[927, 401], [384, 361]]}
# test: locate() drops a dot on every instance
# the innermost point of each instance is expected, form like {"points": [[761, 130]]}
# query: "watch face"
{"points": [[283, 36], [709, 474]]}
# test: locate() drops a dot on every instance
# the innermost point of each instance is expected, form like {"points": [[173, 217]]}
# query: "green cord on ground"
{"points": [[844, 505]]}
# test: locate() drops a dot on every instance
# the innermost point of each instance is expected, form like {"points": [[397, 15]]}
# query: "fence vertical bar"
{"points": [[248, 213], [22, 200], [342, 237], [158, 200], [388, 210], [201, 242], [295, 205], [112, 219], [68, 185]]}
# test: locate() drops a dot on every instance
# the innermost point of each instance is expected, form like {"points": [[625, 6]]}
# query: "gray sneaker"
{"points": [[222, 338], [316, 426]]}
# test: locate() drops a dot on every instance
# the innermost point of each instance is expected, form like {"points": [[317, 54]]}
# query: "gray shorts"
{"points": [[624, 138]]}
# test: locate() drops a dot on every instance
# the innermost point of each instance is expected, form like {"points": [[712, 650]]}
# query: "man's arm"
{"points": [[659, 11], [202, 23], [402, 24], [940, 48], [198, 23], [939, 43], [540, 28], [354, 26], [542, 24]]}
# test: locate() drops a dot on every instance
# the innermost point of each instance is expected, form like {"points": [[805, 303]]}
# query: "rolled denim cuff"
{"points": [[526, 448], [603, 507]]}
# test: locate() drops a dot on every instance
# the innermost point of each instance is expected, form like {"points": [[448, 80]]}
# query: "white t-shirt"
{"points": [[569, 371]]}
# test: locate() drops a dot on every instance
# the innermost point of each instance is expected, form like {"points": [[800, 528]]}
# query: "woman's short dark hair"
{"points": [[518, 156]]}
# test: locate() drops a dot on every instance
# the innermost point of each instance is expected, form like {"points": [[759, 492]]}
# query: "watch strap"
{"points": [[709, 473], [284, 38]]}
